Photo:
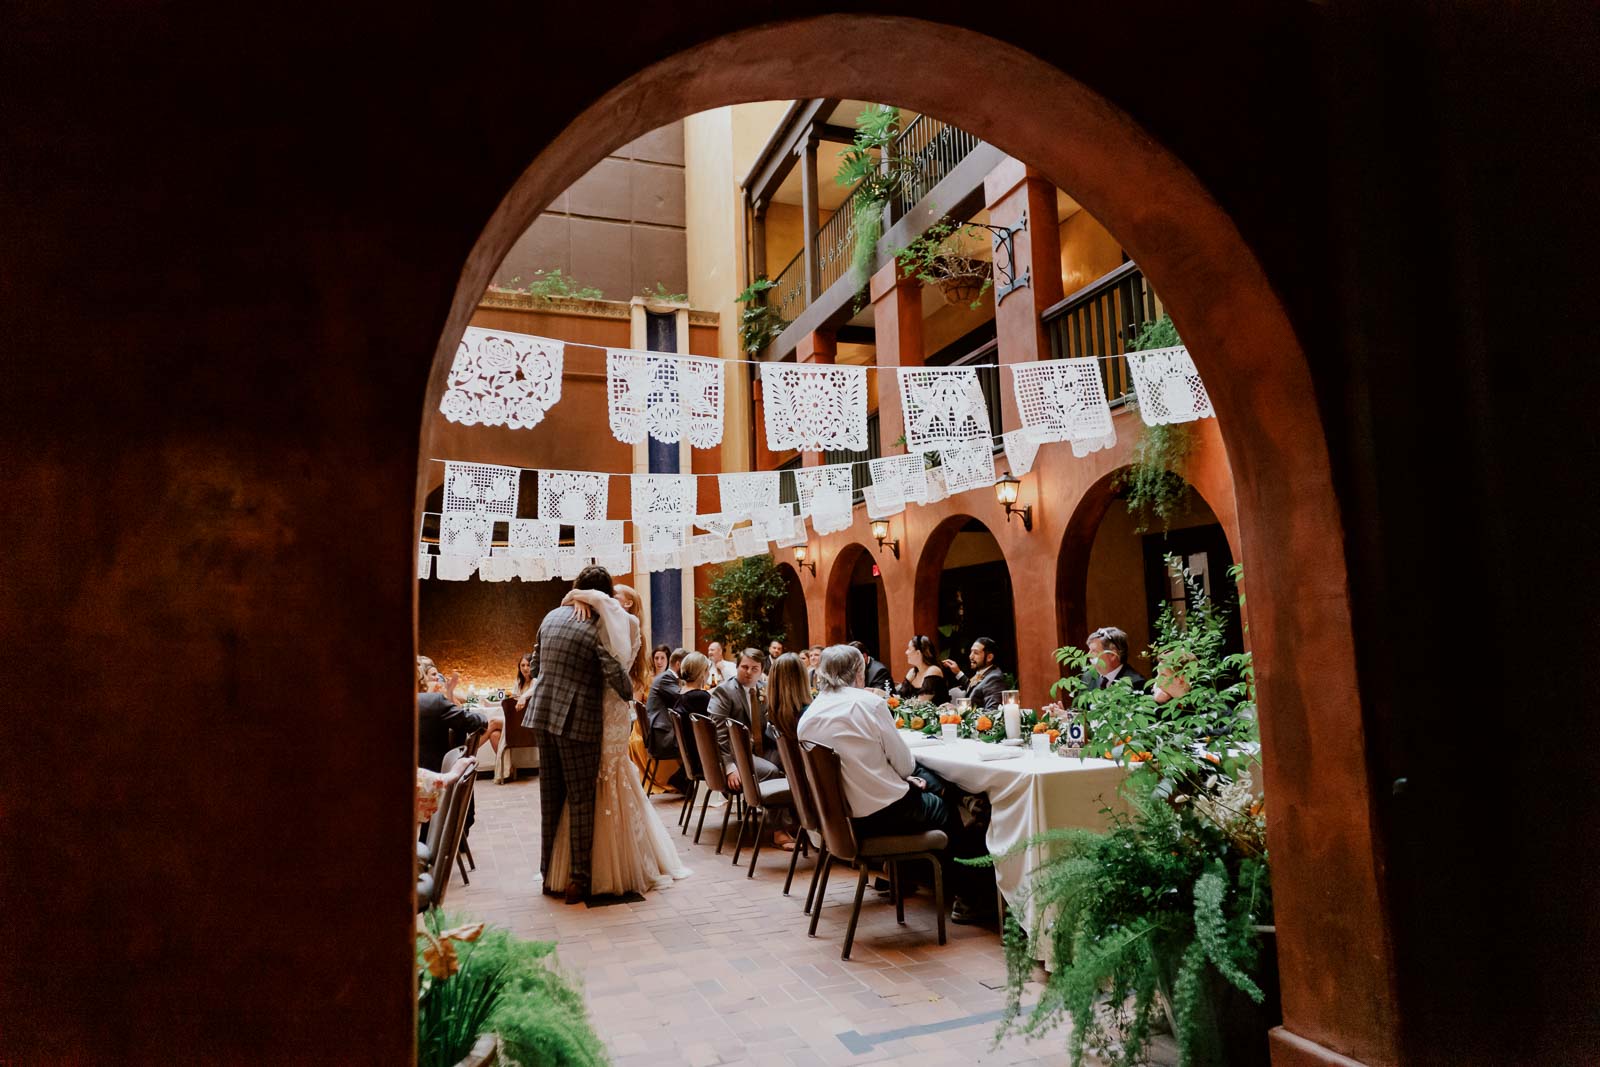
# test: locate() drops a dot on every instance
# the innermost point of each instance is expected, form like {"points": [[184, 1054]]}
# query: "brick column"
{"points": [[1010, 190], [819, 346]]}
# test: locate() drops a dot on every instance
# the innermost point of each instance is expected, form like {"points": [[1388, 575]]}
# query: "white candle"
{"points": [[1013, 717]]}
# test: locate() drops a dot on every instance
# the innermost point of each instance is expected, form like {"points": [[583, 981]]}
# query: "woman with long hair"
{"points": [[523, 689], [924, 678], [788, 693]]}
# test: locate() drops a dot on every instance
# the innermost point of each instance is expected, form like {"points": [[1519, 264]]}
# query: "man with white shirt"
{"points": [[721, 669], [886, 791]]}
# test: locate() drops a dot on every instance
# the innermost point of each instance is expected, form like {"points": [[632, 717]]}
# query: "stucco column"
{"points": [[808, 216], [819, 346], [897, 323], [1012, 192]]}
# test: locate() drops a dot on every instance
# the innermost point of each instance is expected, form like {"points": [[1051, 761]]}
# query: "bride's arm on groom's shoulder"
{"points": [[584, 602], [616, 674]]}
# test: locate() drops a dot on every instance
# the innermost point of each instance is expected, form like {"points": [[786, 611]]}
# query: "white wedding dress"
{"points": [[632, 850]]}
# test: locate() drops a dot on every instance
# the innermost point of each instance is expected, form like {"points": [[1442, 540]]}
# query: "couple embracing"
{"points": [[599, 833]]}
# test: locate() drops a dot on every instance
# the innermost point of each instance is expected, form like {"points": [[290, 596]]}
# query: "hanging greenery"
{"points": [[940, 257], [1153, 487], [1170, 905], [745, 605], [877, 175], [759, 323]]}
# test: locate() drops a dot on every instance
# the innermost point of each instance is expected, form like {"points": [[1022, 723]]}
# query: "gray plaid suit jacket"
{"points": [[727, 702], [573, 670]]}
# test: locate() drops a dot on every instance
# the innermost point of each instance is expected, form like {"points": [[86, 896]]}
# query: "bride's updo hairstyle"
{"points": [[694, 669]]}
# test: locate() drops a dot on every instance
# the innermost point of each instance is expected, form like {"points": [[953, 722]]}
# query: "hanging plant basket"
{"points": [[959, 289]]}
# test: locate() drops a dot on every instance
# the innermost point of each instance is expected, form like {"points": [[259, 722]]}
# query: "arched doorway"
{"points": [[857, 607], [1111, 572], [796, 625], [1256, 372], [964, 591]]}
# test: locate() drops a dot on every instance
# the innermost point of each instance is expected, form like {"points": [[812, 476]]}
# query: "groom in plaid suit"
{"points": [[567, 717]]}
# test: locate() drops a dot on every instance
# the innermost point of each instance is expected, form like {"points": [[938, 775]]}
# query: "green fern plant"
{"points": [[759, 323], [553, 285]]}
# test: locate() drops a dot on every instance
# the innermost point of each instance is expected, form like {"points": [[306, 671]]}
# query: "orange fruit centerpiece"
{"points": [[1041, 728], [984, 724]]}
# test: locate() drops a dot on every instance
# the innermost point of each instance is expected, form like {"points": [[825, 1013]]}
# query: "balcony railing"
{"points": [[935, 148], [1102, 319], [836, 242], [788, 293]]}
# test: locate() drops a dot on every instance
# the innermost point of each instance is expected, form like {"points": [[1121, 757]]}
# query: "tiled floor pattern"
{"points": [[719, 969]]}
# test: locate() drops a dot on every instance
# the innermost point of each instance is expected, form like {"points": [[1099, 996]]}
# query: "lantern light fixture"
{"points": [[880, 530], [1005, 491], [801, 554]]}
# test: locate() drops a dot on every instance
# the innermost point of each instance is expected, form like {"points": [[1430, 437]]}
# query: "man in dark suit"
{"points": [[665, 691], [985, 684], [567, 716], [1108, 660], [878, 675], [437, 717], [741, 698]]}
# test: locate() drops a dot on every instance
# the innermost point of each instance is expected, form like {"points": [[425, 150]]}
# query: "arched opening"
{"points": [[1240, 338], [964, 592], [1111, 569], [796, 625], [856, 606]]}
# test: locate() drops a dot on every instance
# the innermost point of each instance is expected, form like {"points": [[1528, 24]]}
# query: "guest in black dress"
{"points": [[924, 679]]}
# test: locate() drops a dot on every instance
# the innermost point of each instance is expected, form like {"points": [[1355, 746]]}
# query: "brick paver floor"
{"points": [[719, 969]]}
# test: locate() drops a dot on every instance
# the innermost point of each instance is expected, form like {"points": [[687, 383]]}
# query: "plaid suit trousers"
{"points": [[568, 771]]}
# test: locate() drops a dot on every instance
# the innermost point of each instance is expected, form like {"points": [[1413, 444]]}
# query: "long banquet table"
{"points": [[1028, 794]]}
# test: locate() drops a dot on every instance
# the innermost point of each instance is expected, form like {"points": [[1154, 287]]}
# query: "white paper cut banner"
{"points": [[532, 568], [670, 397], [1020, 452], [456, 568], [535, 537], [814, 407], [572, 496], [884, 505], [656, 538], [931, 489], [968, 467], [497, 568], [650, 562], [744, 494], [618, 559], [825, 488], [943, 407], [1168, 386], [424, 561], [749, 541], [719, 523], [502, 379], [465, 534], [1063, 400], [795, 534], [481, 487], [709, 548], [659, 498], [592, 538], [892, 481]]}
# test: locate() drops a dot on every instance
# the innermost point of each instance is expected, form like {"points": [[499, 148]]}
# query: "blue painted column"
{"points": [[666, 587]]}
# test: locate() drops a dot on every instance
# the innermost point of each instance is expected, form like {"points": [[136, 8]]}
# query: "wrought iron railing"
{"points": [[788, 292], [934, 148], [836, 242], [1102, 319]]}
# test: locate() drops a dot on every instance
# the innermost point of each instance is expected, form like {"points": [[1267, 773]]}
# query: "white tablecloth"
{"points": [[1029, 794]]}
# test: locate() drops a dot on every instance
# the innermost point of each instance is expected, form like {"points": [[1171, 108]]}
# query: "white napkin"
{"points": [[993, 752], [916, 740]]}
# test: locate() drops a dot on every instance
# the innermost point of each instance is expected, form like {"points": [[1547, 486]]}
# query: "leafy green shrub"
{"points": [[744, 607], [553, 285], [475, 979], [759, 323], [939, 255]]}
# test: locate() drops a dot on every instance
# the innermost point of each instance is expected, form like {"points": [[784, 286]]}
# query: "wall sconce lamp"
{"points": [[1005, 491], [880, 530], [800, 554]]}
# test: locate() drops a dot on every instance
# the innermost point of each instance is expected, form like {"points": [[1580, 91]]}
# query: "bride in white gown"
{"points": [[632, 850]]}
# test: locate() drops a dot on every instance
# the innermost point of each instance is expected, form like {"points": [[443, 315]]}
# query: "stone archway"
{"points": [[845, 620], [980, 607], [796, 619], [1256, 373]]}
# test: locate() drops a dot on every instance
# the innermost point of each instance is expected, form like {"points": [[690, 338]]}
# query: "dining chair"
{"points": [[651, 760], [691, 764], [759, 797], [452, 816], [464, 854], [705, 743], [838, 833], [515, 737], [805, 811]]}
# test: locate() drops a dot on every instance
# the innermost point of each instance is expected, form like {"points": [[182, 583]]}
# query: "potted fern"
{"points": [[1168, 914], [942, 257]]}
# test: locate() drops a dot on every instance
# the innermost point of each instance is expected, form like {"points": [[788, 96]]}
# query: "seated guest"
{"points": [[985, 684], [660, 656], [886, 790], [775, 648], [721, 669], [439, 713], [522, 691], [878, 674], [788, 693], [741, 698], [666, 689], [924, 679], [813, 658], [1108, 660], [694, 677]]}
